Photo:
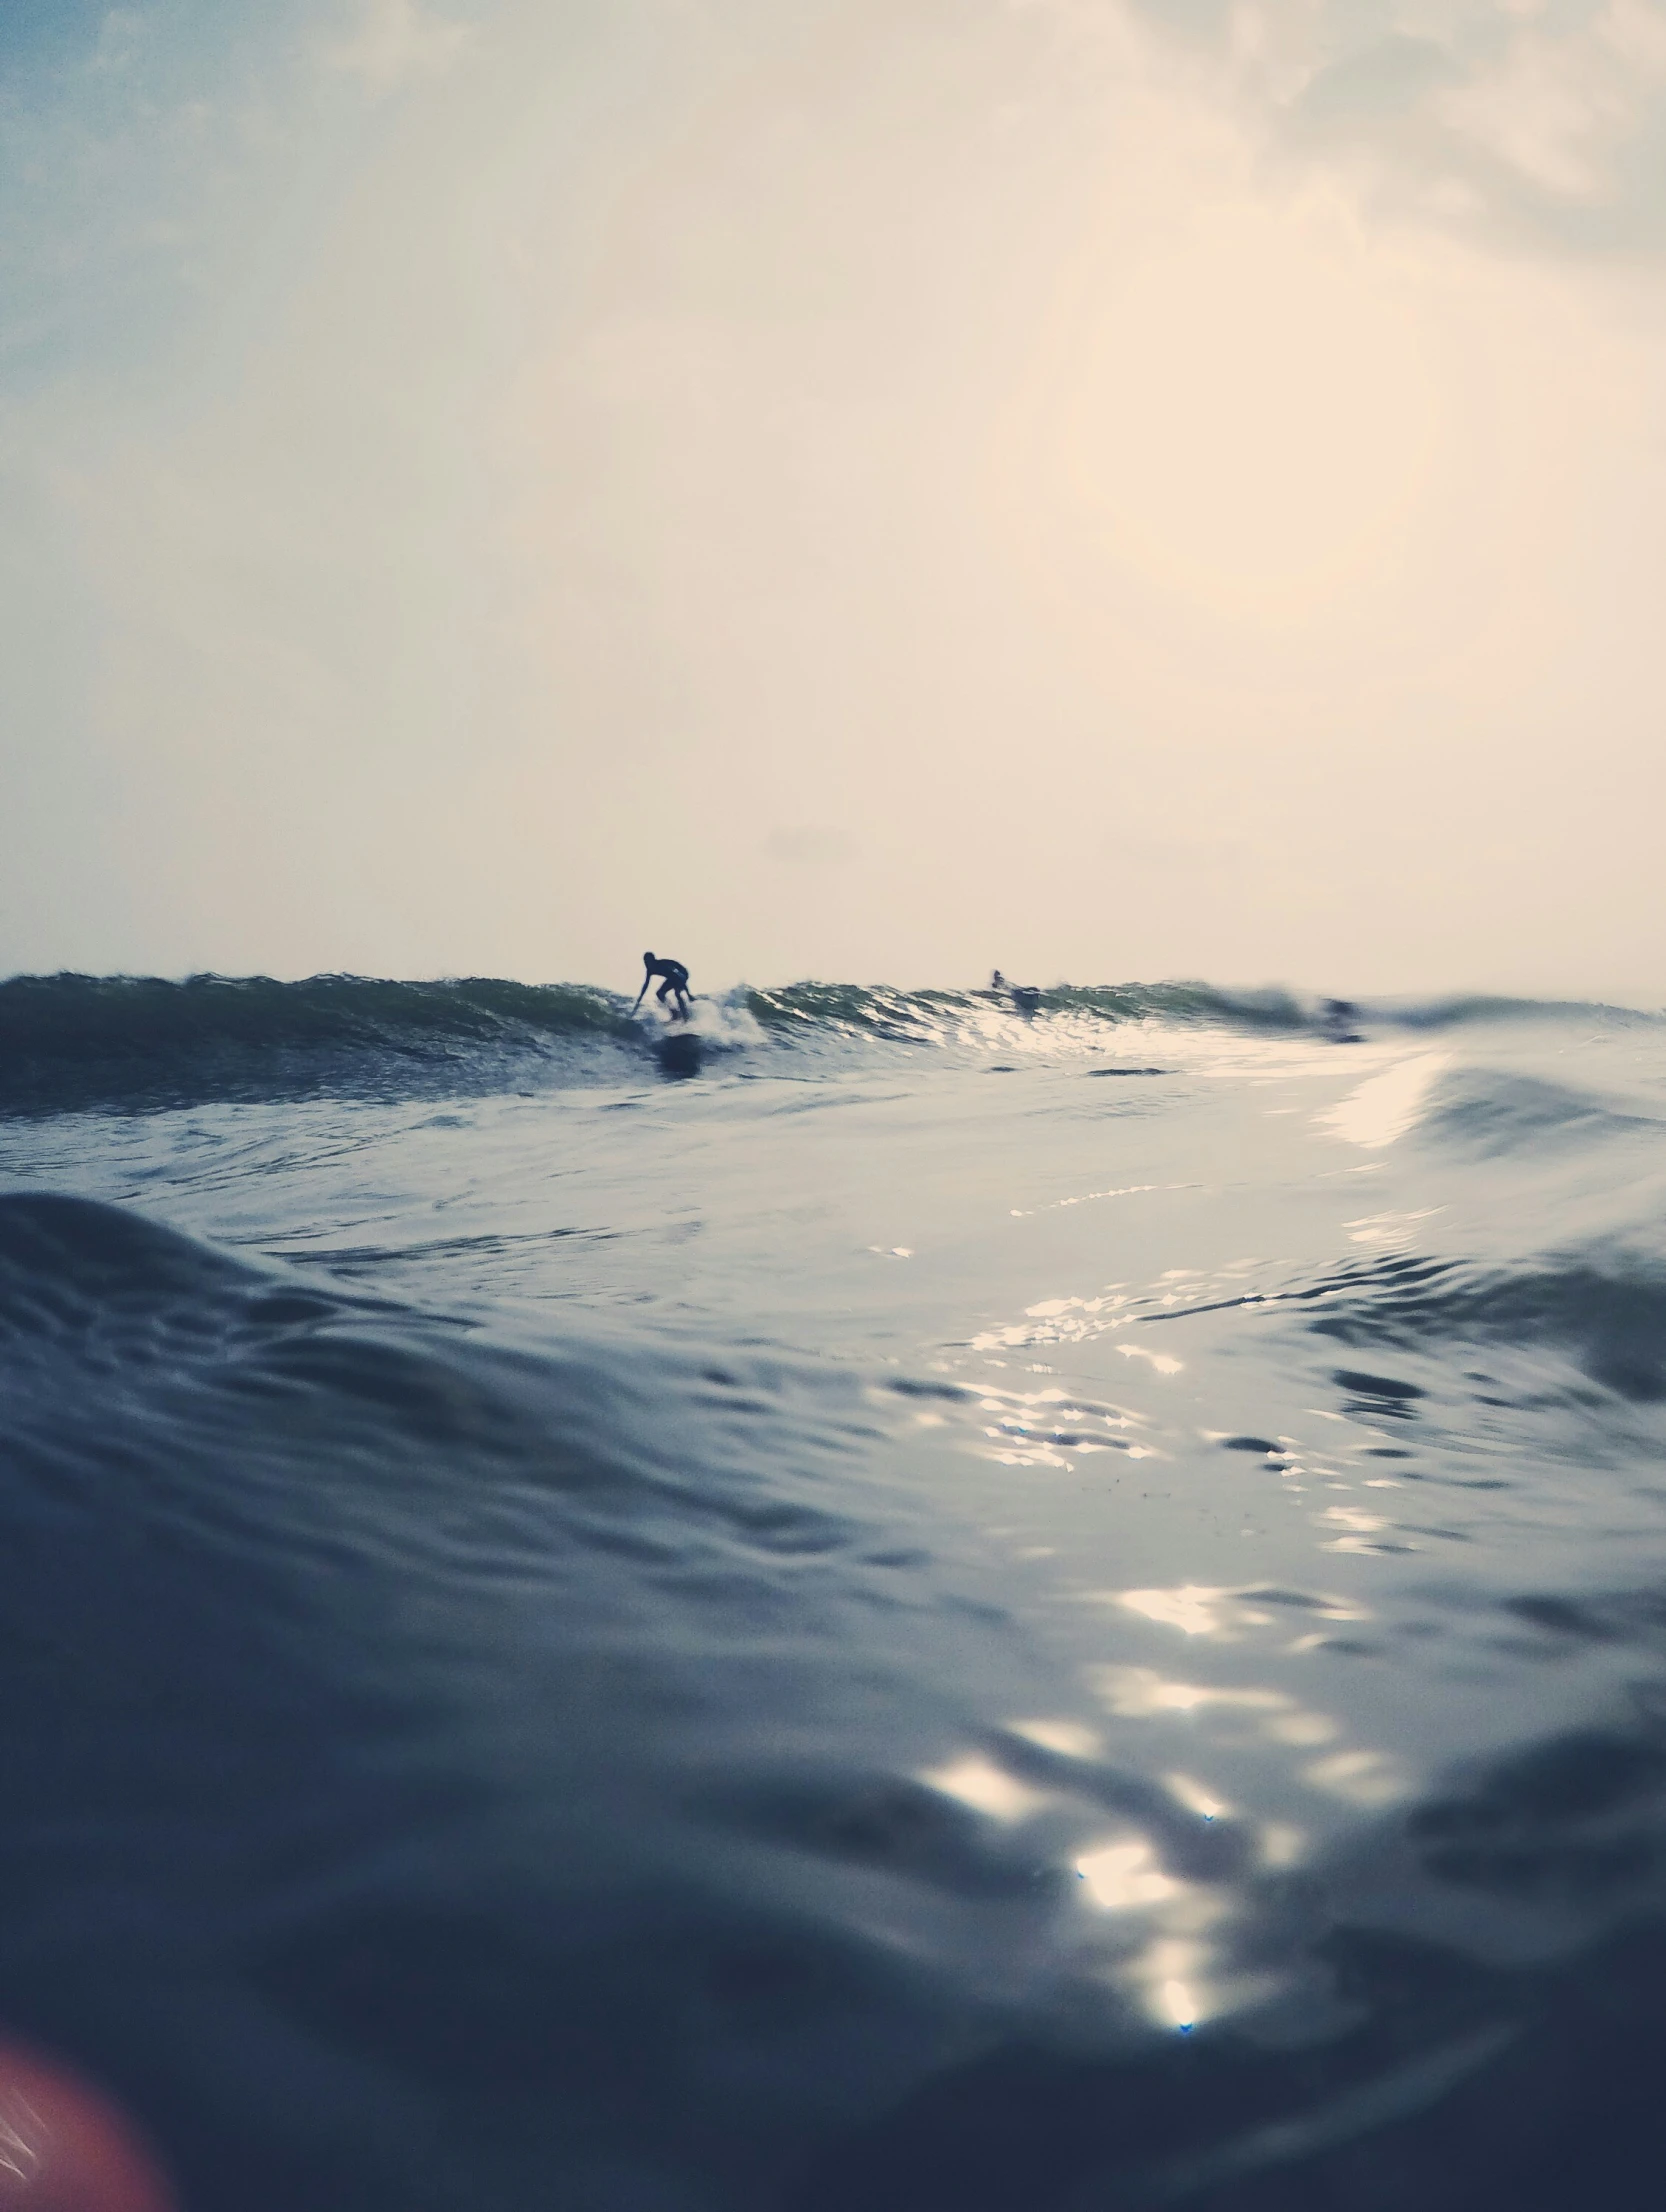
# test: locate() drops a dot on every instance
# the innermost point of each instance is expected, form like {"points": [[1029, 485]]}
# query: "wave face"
{"points": [[920, 1631], [74, 1040], [930, 1017], [70, 1042]]}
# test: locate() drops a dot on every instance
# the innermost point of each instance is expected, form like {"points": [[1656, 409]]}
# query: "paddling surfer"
{"points": [[673, 989]]}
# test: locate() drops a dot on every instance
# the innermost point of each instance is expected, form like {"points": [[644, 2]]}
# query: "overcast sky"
{"points": [[858, 488]]}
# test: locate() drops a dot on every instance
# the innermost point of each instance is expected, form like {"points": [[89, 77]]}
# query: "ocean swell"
{"points": [[133, 1043], [1602, 1310], [413, 1727], [69, 1041]]}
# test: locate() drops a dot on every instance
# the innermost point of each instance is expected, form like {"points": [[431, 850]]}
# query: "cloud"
{"points": [[1564, 112], [397, 41], [1376, 85], [740, 453], [1547, 123]]}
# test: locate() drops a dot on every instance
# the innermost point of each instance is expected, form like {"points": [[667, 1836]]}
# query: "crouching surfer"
{"points": [[673, 991]]}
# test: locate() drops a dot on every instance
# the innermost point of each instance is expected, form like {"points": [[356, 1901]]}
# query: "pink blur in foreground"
{"points": [[65, 2148]]}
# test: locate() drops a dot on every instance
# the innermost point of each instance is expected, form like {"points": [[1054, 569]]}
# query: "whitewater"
{"points": [[946, 1610]]}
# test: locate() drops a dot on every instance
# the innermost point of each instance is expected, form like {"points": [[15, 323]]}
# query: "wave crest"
{"points": [[70, 1042]]}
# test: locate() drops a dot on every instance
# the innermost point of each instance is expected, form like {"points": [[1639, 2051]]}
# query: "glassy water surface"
{"points": [[958, 1610]]}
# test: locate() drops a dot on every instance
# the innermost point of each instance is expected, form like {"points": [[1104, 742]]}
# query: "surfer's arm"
{"points": [[646, 980]]}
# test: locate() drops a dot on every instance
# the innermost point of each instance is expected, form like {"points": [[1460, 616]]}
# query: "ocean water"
{"points": [[924, 1608]]}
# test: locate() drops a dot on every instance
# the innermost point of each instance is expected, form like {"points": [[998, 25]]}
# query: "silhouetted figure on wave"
{"points": [[1025, 996], [673, 992]]}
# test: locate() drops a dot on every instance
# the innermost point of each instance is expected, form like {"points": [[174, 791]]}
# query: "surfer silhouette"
{"points": [[673, 991], [1026, 997]]}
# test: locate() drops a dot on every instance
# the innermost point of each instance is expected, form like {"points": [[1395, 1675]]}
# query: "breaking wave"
{"points": [[69, 1041]]}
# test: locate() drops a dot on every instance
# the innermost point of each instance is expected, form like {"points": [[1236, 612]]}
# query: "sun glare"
{"points": [[1245, 420]]}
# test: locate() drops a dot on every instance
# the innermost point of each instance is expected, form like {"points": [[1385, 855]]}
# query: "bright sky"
{"points": [[863, 488]]}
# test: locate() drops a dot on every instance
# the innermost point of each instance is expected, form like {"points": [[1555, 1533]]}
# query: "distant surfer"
{"points": [[1337, 1021], [1026, 997], [673, 991]]}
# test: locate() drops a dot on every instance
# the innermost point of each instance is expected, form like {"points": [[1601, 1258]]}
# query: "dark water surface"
{"points": [[961, 1613]]}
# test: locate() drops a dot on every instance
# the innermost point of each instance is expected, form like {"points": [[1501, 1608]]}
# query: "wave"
{"points": [[578, 1830], [1491, 1112], [938, 1016], [70, 1042], [1602, 1311], [1474, 1009]]}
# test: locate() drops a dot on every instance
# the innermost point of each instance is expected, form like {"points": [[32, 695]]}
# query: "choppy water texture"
{"points": [[962, 1613]]}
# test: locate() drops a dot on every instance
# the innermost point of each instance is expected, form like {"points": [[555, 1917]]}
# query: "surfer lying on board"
{"points": [[674, 987]]}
